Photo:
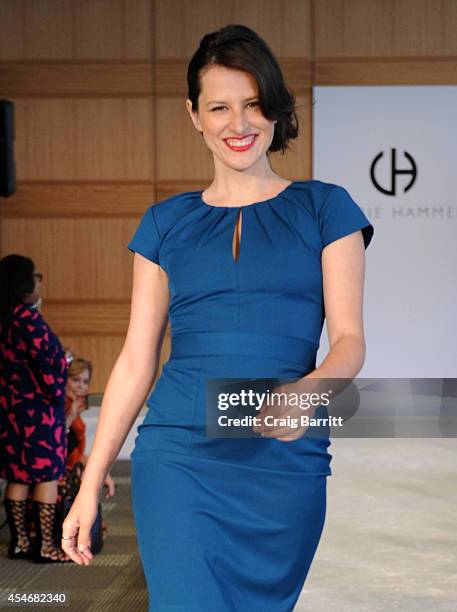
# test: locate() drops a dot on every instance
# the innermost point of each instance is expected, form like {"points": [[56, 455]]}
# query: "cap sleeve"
{"points": [[340, 216], [146, 239]]}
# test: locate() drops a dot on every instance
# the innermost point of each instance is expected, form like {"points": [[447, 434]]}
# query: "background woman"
{"points": [[33, 374], [76, 402]]}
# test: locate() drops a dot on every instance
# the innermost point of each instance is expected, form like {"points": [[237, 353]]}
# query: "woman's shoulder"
{"points": [[29, 319], [178, 199], [336, 211], [315, 188], [25, 312], [21, 320], [167, 211], [314, 195], [307, 196], [23, 309]]}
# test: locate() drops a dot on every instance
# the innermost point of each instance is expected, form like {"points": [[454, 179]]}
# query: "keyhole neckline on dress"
{"points": [[267, 201], [237, 233]]}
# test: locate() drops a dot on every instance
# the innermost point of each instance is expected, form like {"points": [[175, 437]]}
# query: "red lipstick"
{"points": [[248, 140]]}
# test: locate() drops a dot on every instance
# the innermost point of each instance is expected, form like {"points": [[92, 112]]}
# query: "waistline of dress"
{"points": [[286, 348]]}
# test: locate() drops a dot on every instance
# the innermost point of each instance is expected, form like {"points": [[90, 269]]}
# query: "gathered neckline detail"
{"points": [[260, 202]]}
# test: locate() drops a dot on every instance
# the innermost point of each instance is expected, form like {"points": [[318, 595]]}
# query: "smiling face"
{"points": [[78, 384], [229, 114]]}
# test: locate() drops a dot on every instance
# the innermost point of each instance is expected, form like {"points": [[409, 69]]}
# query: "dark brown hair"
{"points": [[16, 279], [239, 47]]}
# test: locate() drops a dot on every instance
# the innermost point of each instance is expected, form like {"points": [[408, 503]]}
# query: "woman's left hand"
{"points": [[110, 486], [284, 419], [78, 404]]}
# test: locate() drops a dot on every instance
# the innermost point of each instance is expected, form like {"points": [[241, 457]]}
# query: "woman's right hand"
{"points": [[78, 524]]}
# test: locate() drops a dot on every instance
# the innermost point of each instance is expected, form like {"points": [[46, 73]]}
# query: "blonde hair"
{"points": [[78, 365]]}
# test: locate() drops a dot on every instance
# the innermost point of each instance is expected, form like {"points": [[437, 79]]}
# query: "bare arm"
{"points": [[343, 269], [134, 371]]}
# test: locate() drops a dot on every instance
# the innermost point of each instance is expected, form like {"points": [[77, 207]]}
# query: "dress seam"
{"points": [[322, 207], [228, 463], [190, 444], [156, 223]]}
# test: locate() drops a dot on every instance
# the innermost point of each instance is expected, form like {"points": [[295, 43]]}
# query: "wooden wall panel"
{"points": [[83, 199], [353, 28], [103, 132], [76, 79], [385, 42], [65, 29], [81, 258], [285, 24], [397, 71], [126, 29], [35, 30], [81, 77], [101, 351], [92, 317], [84, 139], [183, 153], [385, 28]]}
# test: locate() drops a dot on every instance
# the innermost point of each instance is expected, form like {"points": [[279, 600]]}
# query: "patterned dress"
{"points": [[33, 375]]}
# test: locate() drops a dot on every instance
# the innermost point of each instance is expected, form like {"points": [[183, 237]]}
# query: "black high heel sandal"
{"points": [[16, 513], [44, 513]]}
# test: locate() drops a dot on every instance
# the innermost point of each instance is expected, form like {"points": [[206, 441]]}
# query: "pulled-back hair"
{"points": [[238, 47]]}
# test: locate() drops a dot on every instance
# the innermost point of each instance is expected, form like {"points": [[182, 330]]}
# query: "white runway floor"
{"points": [[390, 539]]}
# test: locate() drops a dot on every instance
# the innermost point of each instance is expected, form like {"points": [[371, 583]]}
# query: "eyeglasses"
{"points": [[38, 275]]}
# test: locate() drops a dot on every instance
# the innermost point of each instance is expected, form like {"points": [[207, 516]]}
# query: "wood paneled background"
{"points": [[102, 131]]}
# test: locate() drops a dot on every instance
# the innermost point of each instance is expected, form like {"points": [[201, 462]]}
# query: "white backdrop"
{"points": [[410, 307]]}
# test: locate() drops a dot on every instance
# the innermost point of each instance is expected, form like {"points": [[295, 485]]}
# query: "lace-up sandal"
{"points": [[20, 546], [46, 550]]}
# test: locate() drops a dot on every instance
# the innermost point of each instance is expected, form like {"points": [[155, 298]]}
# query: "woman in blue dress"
{"points": [[246, 271]]}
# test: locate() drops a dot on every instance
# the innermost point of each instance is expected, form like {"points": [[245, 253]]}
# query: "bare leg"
{"points": [[45, 491], [17, 491]]}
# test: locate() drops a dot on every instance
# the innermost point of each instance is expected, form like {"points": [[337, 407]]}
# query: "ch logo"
{"points": [[393, 172]]}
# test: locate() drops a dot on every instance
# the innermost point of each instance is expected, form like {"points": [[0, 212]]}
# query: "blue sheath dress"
{"points": [[232, 524]]}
